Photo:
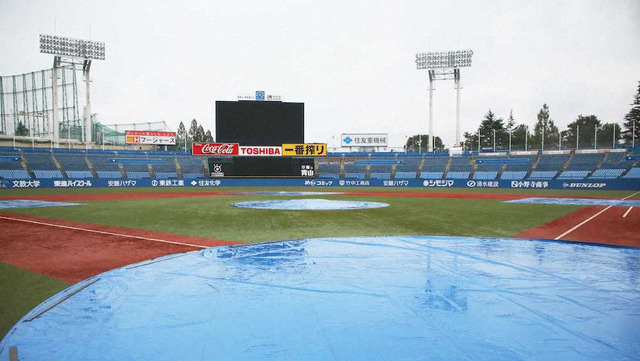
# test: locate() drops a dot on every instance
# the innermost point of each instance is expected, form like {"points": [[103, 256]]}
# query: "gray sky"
{"points": [[350, 62]]}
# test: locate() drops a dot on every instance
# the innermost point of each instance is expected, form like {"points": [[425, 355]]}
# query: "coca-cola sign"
{"points": [[214, 149]]}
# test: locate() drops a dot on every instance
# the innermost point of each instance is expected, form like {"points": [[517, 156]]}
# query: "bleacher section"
{"points": [[634, 173], [433, 167], [74, 164], [191, 167], [104, 164], [166, 169], [549, 166], [460, 167], [78, 164], [329, 168], [381, 168], [11, 166], [407, 167], [354, 170], [42, 165]]}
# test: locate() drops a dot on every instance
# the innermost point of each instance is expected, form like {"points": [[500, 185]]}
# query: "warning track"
{"points": [[74, 251]]}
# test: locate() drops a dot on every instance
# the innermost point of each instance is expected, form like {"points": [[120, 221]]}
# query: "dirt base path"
{"points": [[74, 251], [609, 225]]}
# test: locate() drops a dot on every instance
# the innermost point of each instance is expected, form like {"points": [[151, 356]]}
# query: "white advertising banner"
{"points": [[364, 139]]}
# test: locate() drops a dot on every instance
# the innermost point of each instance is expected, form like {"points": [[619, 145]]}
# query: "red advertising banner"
{"points": [[215, 148], [149, 134], [144, 137]]}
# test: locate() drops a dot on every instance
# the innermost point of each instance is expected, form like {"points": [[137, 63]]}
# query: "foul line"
{"points": [[627, 212], [592, 217], [101, 232]]}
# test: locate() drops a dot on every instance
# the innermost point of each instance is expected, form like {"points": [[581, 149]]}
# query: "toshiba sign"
{"points": [[214, 148], [234, 149], [258, 151]]}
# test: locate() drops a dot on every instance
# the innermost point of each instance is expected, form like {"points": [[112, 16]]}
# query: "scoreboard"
{"points": [[288, 167]]}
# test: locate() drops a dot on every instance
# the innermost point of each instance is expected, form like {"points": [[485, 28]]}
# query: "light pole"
{"points": [[510, 134], [526, 139], [494, 140], [479, 135], [542, 140], [613, 142], [577, 136], [444, 66], [595, 136]]}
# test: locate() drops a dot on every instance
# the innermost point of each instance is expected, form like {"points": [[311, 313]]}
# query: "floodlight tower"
{"points": [[444, 66], [72, 53]]}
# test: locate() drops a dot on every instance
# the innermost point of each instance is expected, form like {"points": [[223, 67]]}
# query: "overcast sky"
{"points": [[351, 62]]}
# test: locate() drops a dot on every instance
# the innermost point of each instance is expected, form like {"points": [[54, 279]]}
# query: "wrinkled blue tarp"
{"points": [[30, 203], [579, 201], [309, 205], [366, 298]]}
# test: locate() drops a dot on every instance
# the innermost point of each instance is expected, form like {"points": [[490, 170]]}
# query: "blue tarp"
{"points": [[579, 201], [365, 298], [309, 205], [29, 203]]}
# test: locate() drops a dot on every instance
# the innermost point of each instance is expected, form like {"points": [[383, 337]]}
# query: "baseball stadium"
{"points": [[261, 241]]}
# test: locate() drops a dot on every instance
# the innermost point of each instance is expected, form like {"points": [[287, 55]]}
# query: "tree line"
{"points": [[587, 131], [195, 134]]}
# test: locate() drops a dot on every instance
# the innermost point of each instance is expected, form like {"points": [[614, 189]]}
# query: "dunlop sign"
{"points": [[305, 150]]}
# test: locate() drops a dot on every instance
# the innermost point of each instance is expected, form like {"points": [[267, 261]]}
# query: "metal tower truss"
{"points": [[26, 104]]}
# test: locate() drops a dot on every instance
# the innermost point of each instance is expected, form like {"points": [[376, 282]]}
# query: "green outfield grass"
{"points": [[213, 217], [21, 291]]}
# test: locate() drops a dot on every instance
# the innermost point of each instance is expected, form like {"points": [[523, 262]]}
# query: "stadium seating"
{"points": [[574, 174], [329, 168], [353, 170], [105, 165], [78, 164], [607, 174], [584, 162], [634, 173], [191, 167], [42, 165], [543, 174]]}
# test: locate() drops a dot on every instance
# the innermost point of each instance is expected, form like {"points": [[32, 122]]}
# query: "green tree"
{"points": [[633, 118], [606, 135], [200, 134], [545, 128], [518, 135], [193, 132], [583, 128], [22, 130], [180, 135], [420, 142], [489, 124]]}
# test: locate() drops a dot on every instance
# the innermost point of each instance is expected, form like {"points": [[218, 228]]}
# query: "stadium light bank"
{"points": [[444, 66], [70, 52]]}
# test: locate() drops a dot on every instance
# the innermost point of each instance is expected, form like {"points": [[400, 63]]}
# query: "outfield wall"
{"points": [[613, 184]]}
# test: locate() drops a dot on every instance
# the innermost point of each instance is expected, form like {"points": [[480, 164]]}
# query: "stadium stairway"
{"points": [[59, 166], [90, 166], [446, 168], [533, 167], [123, 174], [419, 171], [178, 168], [151, 172], [502, 169], [23, 162], [475, 167]]}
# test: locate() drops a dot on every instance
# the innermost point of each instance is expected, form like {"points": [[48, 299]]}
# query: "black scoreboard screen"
{"points": [[261, 167], [262, 123]]}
